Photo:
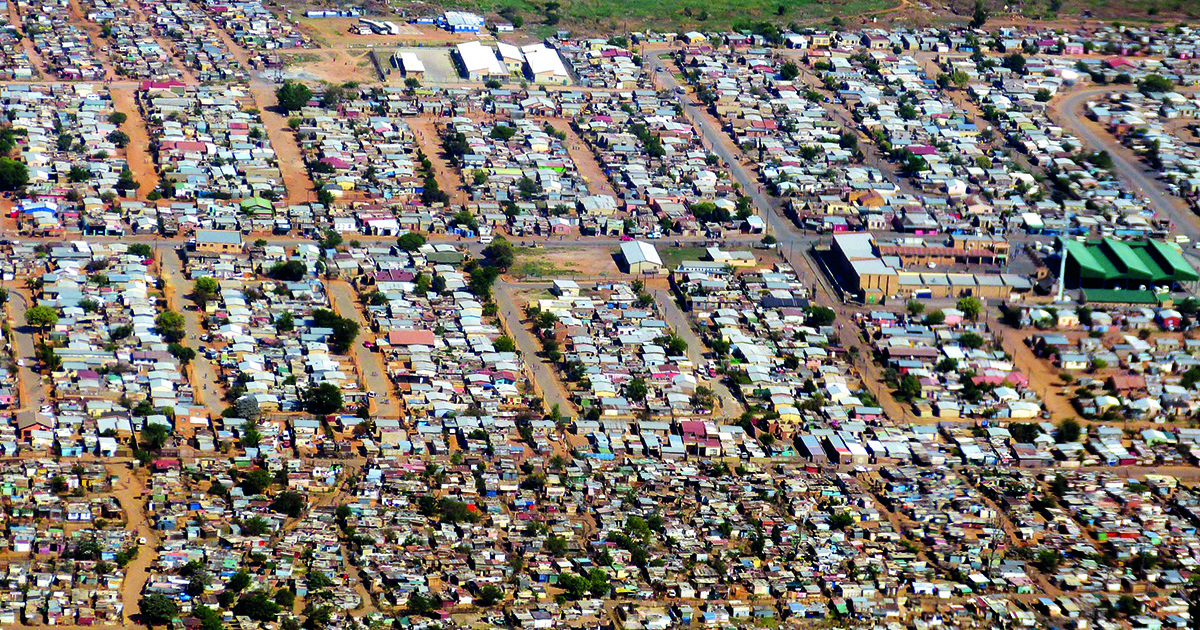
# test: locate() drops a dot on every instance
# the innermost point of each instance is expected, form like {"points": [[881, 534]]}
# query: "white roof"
{"points": [[478, 58], [508, 51], [640, 251], [543, 60], [411, 62]]}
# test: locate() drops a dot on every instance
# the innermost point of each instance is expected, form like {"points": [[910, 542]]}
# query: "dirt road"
{"points": [[544, 379], [206, 387], [446, 175], [131, 494], [585, 160], [371, 369], [137, 152], [730, 406]]}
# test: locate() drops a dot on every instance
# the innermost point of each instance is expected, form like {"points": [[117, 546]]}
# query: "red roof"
{"points": [[411, 338]]}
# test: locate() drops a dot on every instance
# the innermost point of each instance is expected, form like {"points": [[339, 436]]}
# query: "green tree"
{"points": [[500, 253], [979, 16], [204, 289], [935, 318], [910, 387], [915, 307], [285, 323], [789, 71], [41, 316], [257, 606], [291, 504], [13, 174], [170, 325], [1153, 83], [504, 344], [257, 481], [1068, 431], [411, 242], [157, 609], [292, 96], [637, 390], [490, 595], [153, 436], [323, 399]]}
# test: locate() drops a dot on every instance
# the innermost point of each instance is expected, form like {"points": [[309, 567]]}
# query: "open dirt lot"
{"points": [[334, 66], [439, 68], [562, 261]]}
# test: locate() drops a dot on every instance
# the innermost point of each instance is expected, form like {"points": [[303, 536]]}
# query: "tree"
{"points": [[500, 253], [1015, 62], [209, 619], [181, 352], [290, 503], [1154, 83], [935, 318], [257, 606], [119, 138], [256, 526], [970, 340], [490, 595], [154, 435], [170, 325], [323, 399], [41, 316], [1068, 431], [203, 290], [257, 481], [411, 242], [292, 96], [140, 249], [78, 174], [915, 307], [979, 16], [504, 344], [343, 330], [13, 174], [157, 609], [118, 118], [285, 323], [821, 316], [910, 387], [637, 390], [1042, 95], [789, 71]]}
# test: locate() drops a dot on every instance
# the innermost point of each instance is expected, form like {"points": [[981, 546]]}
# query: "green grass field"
{"points": [[672, 256], [704, 15]]}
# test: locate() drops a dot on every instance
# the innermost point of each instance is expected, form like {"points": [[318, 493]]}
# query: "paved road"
{"points": [[1126, 166], [370, 364], [544, 378], [730, 406]]}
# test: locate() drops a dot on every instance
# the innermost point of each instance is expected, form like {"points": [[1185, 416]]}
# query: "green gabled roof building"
{"points": [[1112, 264]]}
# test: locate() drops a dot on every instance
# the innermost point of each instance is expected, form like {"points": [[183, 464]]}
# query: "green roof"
{"points": [[1119, 296], [1174, 262], [1152, 262], [1126, 258]]}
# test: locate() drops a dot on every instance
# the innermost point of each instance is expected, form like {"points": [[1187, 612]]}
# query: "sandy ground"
{"points": [[35, 59], [333, 66], [565, 260], [430, 141], [283, 140], [335, 32], [137, 152], [585, 160]]}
